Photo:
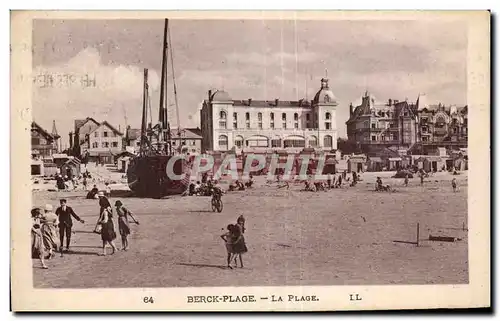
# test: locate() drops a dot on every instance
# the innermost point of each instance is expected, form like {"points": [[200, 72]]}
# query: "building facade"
{"points": [[409, 127], [97, 142], [187, 140], [43, 143], [262, 125]]}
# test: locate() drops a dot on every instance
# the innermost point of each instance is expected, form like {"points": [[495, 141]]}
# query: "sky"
{"points": [[258, 59]]}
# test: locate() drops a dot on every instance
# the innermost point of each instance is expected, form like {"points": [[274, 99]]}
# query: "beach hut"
{"points": [[330, 165], [71, 168], [356, 163]]}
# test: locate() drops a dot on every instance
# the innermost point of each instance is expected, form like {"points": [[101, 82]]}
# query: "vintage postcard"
{"points": [[250, 161]]}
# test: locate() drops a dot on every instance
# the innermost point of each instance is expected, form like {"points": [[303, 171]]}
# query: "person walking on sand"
{"points": [[123, 223], [64, 212], [406, 180], [108, 231], [37, 247], [228, 239], [454, 184], [48, 227], [238, 244]]}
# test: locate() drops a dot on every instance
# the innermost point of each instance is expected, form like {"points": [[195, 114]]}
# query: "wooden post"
{"points": [[418, 232]]}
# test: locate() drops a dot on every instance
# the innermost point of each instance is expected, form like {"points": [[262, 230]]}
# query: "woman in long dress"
{"points": [[123, 223], [49, 232], [37, 247]]}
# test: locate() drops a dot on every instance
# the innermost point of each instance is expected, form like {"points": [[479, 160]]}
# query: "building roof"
{"points": [[80, 122], [46, 134], [133, 133], [186, 133], [324, 95], [105, 123], [220, 95]]}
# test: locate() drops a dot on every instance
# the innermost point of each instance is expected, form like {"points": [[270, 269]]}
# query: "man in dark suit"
{"points": [[64, 213]]}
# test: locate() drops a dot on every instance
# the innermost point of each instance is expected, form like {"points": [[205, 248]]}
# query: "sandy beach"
{"points": [[342, 236]]}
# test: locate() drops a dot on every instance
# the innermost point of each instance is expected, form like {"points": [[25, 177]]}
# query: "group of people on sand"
{"points": [[235, 242], [48, 225], [44, 230]]}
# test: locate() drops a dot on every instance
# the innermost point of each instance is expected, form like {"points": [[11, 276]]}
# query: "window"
{"points": [[257, 143], [173, 143], [114, 144], [328, 141], [272, 116], [328, 126], [235, 120], [425, 139], [95, 144], [373, 126], [35, 141], [366, 124], [276, 142], [223, 142], [260, 125], [272, 126], [308, 117], [235, 116], [294, 143], [313, 141], [284, 125], [105, 144], [296, 125], [283, 116], [259, 116], [374, 138], [96, 134], [235, 125], [193, 143], [222, 120], [238, 142], [328, 116], [455, 130], [248, 125], [104, 134], [138, 143], [247, 116], [296, 117]]}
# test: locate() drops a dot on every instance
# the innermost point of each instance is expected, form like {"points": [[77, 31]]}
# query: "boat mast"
{"points": [[144, 110], [163, 114], [175, 89]]}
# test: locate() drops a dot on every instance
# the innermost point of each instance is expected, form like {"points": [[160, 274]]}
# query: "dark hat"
{"points": [[35, 211], [240, 219], [118, 203], [63, 200]]}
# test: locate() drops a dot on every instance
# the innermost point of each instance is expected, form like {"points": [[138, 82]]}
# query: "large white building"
{"points": [[262, 125]]}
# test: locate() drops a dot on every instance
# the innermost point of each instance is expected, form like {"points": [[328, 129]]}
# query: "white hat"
{"points": [[48, 207], [101, 193]]}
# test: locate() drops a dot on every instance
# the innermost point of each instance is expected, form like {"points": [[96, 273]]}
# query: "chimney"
{"points": [[390, 102], [209, 94], [276, 101], [70, 140], [249, 101], [351, 110]]}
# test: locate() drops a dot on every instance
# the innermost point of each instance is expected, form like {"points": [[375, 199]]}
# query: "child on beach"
{"points": [[454, 184], [228, 238]]}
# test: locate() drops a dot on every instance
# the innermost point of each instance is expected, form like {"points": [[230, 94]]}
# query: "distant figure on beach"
{"points": [[92, 194], [84, 182], [454, 184], [240, 246], [108, 189], [123, 223], [406, 180], [421, 179], [329, 181], [60, 183]]}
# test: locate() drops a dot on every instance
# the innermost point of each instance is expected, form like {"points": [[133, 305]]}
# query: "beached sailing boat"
{"points": [[147, 172]]}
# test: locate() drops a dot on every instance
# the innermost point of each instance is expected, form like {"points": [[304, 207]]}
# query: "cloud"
{"points": [[84, 87]]}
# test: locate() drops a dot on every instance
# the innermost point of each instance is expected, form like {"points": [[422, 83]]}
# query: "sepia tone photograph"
{"points": [[190, 152]]}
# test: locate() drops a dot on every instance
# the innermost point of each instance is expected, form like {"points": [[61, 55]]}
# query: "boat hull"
{"points": [[147, 176]]}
